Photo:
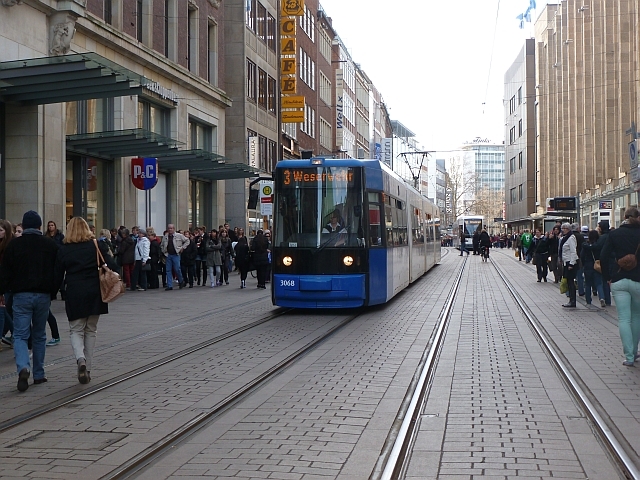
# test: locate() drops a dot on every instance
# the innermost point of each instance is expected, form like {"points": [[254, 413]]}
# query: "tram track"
{"points": [[155, 451], [618, 448], [393, 458], [66, 401]]}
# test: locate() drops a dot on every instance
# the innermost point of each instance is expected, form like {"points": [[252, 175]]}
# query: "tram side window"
{"points": [[376, 232], [388, 220], [396, 222], [417, 226]]}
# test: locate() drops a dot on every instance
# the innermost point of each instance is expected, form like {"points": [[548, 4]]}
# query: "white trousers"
{"points": [[214, 273], [83, 337]]}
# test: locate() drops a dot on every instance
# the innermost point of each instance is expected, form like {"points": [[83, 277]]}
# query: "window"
{"points": [[262, 88], [325, 45], [395, 221], [308, 23], [272, 157], [251, 15], [309, 124], [512, 105], [520, 161], [512, 196], [520, 96], [512, 165], [307, 69], [212, 54], [261, 22], [200, 136], [154, 118], [325, 88], [272, 92], [325, 134], [520, 128], [512, 135], [272, 33], [192, 40], [251, 80], [166, 28], [139, 20], [108, 11], [262, 147], [520, 192]]}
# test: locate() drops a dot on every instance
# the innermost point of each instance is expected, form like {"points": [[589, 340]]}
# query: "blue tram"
{"points": [[348, 233]]}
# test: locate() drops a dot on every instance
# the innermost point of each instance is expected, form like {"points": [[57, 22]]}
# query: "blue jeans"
{"points": [[626, 293], [592, 279], [173, 264], [30, 312]]}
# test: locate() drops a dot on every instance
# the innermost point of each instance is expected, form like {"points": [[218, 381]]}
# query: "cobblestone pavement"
{"points": [[497, 408], [496, 399]]}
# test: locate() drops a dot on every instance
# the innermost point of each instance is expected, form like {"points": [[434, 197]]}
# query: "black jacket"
{"points": [[28, 265], [485, 240], [77, 264], [541, 245], [127, 251], [189, 254], [622, 241]]}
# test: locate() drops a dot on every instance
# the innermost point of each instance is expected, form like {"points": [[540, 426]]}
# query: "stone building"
{"points": [[588, 73], [87, 85]]}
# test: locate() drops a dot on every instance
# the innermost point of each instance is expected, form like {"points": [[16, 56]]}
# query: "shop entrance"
{"points": [[90, 191]]}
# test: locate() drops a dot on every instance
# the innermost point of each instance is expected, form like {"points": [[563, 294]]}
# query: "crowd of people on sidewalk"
{"points": [[603, 262], [35, 265]]}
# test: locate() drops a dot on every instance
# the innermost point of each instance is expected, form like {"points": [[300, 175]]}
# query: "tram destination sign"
{"points": [[303, 176]]}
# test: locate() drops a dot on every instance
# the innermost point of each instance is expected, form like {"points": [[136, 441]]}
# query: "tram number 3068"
{"points": [[287, 283]]}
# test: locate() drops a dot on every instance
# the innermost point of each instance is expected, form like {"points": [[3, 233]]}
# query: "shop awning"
{"points": [[66, 78], [205, 165], [135, 142]]}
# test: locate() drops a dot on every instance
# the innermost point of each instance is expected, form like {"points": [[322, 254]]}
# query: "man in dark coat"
{"points": [[28, 271]]}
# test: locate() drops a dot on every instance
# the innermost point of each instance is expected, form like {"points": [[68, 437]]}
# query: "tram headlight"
{"points": [[287, 261], [348, 260]]}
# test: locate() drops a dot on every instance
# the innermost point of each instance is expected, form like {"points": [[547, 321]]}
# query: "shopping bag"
{"points": [[564, 286], [517, 253]]}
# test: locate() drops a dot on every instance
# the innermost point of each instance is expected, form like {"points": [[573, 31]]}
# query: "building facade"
{"points": [[87, 85], [588, 73], [520, 167]]}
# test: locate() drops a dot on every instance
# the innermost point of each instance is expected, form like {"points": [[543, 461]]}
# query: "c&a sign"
{"points": [[144, 173]]}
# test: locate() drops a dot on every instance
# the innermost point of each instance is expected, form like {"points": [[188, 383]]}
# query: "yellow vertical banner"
{"points": [[288, 85], [288, 66], [288, 27], [288, 46]]}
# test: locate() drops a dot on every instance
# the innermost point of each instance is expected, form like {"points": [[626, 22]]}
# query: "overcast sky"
{"points": [[435, 62]]}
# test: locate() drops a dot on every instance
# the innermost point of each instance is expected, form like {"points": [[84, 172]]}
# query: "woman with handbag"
{"points": [[623, 245], [241, 251], [590, 258], [568, 257], [540, 246], [77, 260]]}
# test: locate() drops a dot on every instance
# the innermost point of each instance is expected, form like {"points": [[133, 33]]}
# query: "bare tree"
{"points": [[462, 187], [489, 203]]}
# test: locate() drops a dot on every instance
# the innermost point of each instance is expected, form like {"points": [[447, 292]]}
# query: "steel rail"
{"points": [[577, 387], [396, 459], [169, 441], [21, 419]]}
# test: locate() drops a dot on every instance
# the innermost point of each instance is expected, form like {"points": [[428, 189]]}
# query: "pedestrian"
{"points": [[624, 241], [260, 249], [57, 236], [463, 241], [105, 236], [142, 257], [127, 256], [77, 261], [214, 258], [554, 243], [568, 256], [590, 252], [227, 256], [267, 236], [603, 230], [526, 239], [242, 257], [28, 272], [475, 240], [173, 243], [188, 260], [540, 246], [155, 254], [6, 320], [581, 239]]}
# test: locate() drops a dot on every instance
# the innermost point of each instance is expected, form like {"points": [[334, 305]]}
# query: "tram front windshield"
{"points": [[319, 207]]}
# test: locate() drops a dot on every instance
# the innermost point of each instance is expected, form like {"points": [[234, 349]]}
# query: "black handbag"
{"points": [[146, 267]]}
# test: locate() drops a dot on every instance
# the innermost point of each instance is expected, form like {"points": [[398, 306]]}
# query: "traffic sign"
{"points": [[633, 153], [266, 197]]}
